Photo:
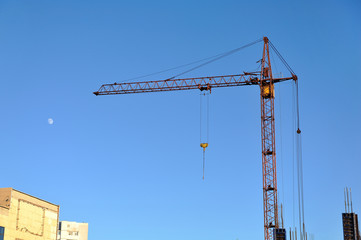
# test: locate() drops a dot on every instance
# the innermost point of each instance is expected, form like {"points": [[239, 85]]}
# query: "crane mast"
{"points": [[264, 79], [270, 206]]}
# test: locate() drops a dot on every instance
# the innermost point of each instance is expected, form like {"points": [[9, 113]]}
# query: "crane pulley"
{"points": [[204, 123]]}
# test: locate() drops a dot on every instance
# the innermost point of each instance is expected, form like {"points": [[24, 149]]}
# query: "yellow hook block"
{"points": [[204, 145]]}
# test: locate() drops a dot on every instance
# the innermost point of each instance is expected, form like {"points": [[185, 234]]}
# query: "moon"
{"points": [[50, 121]]}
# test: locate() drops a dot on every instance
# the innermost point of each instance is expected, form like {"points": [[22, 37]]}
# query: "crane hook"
{"points": [[204, 146]]}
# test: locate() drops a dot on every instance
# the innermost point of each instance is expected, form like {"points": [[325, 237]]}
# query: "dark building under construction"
{"points": [[349, 220], [350, 226], [279, 234]]}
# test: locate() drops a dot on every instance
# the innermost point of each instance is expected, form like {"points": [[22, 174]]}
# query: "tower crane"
{"points": [[265, 80]]}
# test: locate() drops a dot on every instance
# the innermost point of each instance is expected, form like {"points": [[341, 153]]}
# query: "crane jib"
{"points": [[202, 83]]}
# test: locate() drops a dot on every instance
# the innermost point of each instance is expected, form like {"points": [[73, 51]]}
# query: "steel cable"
{"points": [[217, 58], [282, 59], [212, 59]]}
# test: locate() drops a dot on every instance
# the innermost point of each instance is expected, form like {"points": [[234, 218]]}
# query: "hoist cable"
{"points": [[204, 99], [204, 116], [296, 153], [301, 178], [204, 161], [208, 118], [299, 155], [301, 214], [281, 142], [200, 117], [293, 154], [299, 191], [298, 109]]}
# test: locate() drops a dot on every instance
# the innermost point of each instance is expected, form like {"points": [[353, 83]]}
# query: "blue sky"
{"points": [[131, 165]]}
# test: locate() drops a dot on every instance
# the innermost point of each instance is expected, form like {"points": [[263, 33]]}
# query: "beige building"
{"points": [[24, 217], [72, 231]]}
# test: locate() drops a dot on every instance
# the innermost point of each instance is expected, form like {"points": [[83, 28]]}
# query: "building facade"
{"points": [[25, 217], [72, 231]]}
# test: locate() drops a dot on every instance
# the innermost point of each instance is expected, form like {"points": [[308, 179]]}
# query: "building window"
{"points": [[2, 231]]}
